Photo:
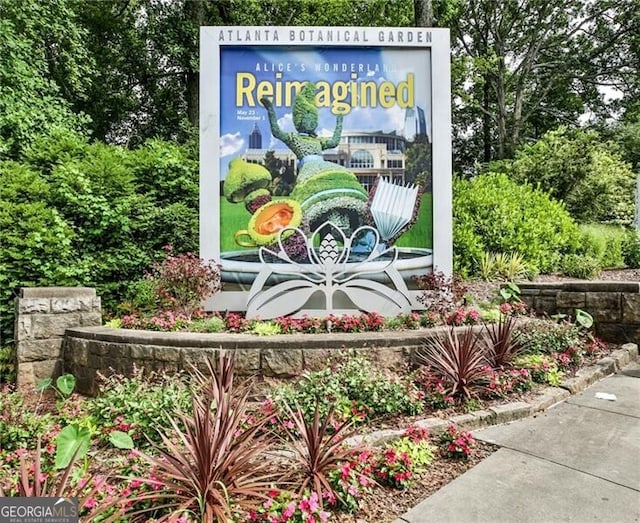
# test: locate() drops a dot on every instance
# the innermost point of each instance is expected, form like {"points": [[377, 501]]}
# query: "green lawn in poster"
{"points": [[236, 218]]}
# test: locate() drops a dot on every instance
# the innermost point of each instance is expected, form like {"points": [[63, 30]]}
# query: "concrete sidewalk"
{"points": [[578, 461]]}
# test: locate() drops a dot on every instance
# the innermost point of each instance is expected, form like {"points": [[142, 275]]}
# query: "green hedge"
{"points": [[80, 213]]}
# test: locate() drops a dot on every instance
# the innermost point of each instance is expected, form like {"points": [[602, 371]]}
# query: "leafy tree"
{"points": [[418, 161], [145, 83], [577, 167], [31, 101], [522, 67]]}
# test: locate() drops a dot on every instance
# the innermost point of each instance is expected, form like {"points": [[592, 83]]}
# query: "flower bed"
{"points": [[313, 416]]}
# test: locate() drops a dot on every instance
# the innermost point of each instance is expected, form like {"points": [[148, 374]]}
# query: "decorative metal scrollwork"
{"points": [[338, 264]]}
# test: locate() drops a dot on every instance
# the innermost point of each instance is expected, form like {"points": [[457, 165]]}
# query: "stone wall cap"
{"points": [[585, 286], [251, 341], [57, 292]]}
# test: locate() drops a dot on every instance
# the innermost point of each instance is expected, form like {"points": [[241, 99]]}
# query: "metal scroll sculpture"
{"points": [[333, 268]]}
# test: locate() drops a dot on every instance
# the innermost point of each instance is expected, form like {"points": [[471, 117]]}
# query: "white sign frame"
{"points": [[214, 39]]}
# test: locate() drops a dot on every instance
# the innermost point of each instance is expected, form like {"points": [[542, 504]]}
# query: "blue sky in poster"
{"points": [[314, 64]]}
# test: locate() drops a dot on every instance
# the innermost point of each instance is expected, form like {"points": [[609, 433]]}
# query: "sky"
{"points": [[310, 64]]}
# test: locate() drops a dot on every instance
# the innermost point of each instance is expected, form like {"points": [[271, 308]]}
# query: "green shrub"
{"points": [[213, 324], [547, 337], [35, 239], [80, 213], [580, 266], [7, 364], [603, 243], [354, 388], [631, 250], [543, 368], [505, 266], [19, 425], [140, 404], [494, 214]]}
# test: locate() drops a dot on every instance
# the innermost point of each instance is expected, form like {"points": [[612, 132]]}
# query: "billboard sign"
{"points": [[325, 164]]}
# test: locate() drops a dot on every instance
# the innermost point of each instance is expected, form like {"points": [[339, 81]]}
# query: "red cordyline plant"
{"points": [[459, 361], [317, 451], [214, 462], [505, 342], [183, 281], [32, 482]]}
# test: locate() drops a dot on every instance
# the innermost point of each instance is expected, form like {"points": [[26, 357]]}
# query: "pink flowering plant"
{"points": [[435, 395], [351, 479], [503, 382], [595, 346], [404, 460], [283, 506], [463, 316], [165, 321], [518, 308], [456, 443]]}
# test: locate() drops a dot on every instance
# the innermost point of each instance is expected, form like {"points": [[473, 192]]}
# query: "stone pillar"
{"points": [[42, 316]]}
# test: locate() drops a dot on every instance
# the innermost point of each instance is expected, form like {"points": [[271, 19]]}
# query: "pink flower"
{"points": [[313, 502], [289, 511], [345, 469]]}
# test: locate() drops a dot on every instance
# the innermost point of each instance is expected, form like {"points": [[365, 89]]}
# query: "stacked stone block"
{"points": [[615, 306], [43, 315], [89, 352]]}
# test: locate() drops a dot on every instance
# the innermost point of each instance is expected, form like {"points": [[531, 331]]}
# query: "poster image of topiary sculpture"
{"points": [[326, 191], [268, 220]]}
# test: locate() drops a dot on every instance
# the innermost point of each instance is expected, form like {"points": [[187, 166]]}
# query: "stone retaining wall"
{"points": [[88, 351], [615, 306], [43, 314]]}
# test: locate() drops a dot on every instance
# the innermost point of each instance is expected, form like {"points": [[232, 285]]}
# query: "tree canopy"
{"points": [[130, 67]]}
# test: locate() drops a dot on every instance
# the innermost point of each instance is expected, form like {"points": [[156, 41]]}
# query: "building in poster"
{"points": [[325, 166], [368, 154]]}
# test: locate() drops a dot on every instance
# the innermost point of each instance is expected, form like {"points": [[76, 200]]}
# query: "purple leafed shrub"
{"points": [[441, 293], [318, 449], [183, 281], [505, 342], [458, 360], [213, 465]]}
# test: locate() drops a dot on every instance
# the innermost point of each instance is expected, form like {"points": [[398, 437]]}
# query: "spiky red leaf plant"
{"points": [[32, 482], [214, 462], [458, 360], [505, 343], [318, 449]]}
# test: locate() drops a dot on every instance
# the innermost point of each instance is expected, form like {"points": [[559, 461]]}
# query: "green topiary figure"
{"points": [[326, 191], [305, 113], [305, 144], [244, 178]]}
